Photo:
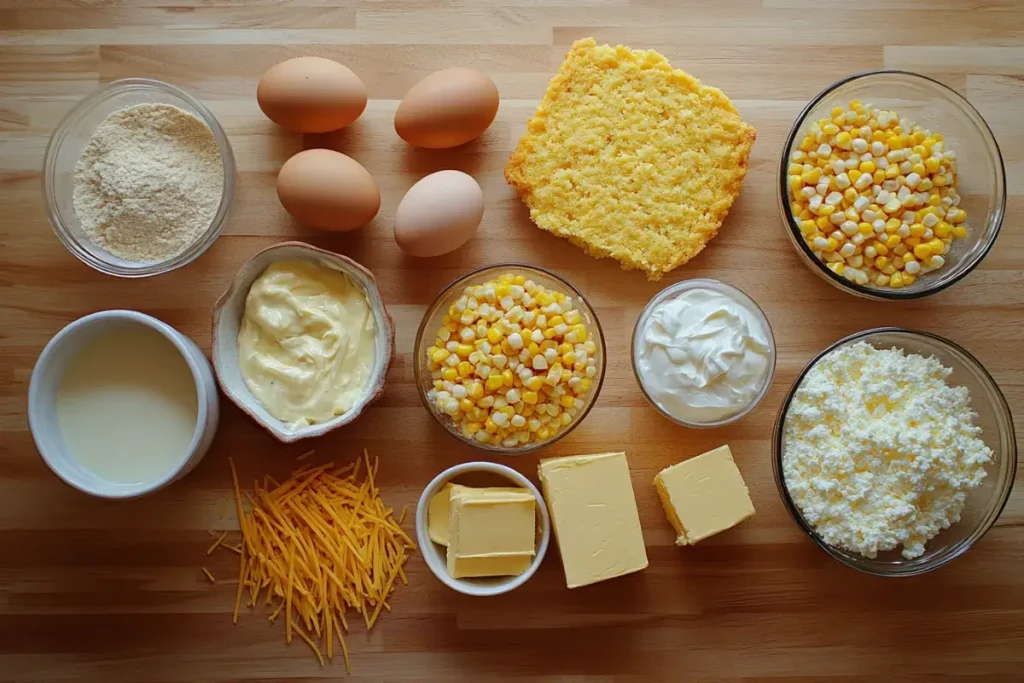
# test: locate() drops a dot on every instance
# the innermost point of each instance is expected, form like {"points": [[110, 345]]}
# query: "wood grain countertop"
{"points": [[103, 591]]}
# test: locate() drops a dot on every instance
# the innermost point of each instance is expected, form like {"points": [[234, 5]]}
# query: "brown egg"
{"points": [[439, 214], [311, 95], [447, 108], [327, 190]]}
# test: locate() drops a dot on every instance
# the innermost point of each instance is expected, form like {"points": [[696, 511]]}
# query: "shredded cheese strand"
{"points": [[316, 545]]}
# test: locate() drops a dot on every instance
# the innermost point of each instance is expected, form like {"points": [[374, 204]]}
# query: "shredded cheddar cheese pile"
{"points": [[317, 545]]}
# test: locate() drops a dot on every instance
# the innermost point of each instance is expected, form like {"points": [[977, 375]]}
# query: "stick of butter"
{"points": [[491, 531], [703, 496], [593, 509]]}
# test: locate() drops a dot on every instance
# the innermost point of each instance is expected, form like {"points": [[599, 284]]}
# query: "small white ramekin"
{"points": [[42, 402], [435, 555]]}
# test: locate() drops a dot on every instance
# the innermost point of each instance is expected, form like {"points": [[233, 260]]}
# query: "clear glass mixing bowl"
{"points": [[70, 139], [984, 504], [982, 184]]}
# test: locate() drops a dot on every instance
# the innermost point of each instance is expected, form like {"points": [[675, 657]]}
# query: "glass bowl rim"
{"points": [[1002, 406], [819, 266], [744, 298], [435, 305], [194, 250]]}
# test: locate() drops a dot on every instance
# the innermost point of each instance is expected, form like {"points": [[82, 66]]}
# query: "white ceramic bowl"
{"points": [[227, 318], [479, 474], [42, 400]]}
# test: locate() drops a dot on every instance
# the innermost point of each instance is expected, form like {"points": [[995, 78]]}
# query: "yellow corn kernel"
{"points": [[494, 382], [439, 355], [918, 169], [865, 229], [896, 280], [908, 279], [892, 171], [837, 267], [438, 385], [569, 359], [490, 426], [449, 374], [939, 180], [476, 390], [959, 217], [543, 299], [916, 229], [911, 242], [519, 280], [585, 384], [495, 335], [922, 251], [850, 195], [465, 405], [931, 164], [893, 241], [463, 350], [533, 348], [812, 177], [832, 244], [826, 210], [506, 376], [465, 369], [477, 415], [881, 262], [550, 333], [853, 174], [959, 232], [534, 383], [544, 432], [900, 249], [823, 223], [844, 139], [808, 144], [880, 249], [936, 246], [566, 401], [942, 229], [530, 397]]}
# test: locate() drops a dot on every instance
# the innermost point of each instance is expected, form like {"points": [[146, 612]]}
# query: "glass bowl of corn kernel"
{"points": [[509, 358], [892, 185]]}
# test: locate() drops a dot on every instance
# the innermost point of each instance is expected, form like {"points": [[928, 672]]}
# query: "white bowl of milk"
{"points": [[122, 404]]}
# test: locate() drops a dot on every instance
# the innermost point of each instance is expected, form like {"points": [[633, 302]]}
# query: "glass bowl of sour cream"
{"points": [[703, 353]]}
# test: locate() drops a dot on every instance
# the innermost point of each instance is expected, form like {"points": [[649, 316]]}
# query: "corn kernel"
{"points": [[449, 374], [530, 397], [959, 232]]}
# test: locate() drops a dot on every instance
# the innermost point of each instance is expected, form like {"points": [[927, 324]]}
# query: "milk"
{"points": [[127, 406]]}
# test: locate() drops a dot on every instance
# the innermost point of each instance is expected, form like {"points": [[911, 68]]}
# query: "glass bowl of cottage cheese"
{"points": [[894, 451]]}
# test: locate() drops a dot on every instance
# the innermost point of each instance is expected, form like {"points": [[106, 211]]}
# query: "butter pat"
{"points": [[437, 515], [703, 496], [593, 510], [491, 531]]}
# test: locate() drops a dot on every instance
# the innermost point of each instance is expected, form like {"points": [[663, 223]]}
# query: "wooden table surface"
{"points": [[105, 591]]}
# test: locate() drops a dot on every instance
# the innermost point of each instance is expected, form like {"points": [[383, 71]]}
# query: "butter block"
{"points": [[704, 495], [491, 531], [594, 513]]}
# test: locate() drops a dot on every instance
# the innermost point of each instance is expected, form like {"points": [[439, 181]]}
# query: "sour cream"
{"points": [[702, 353]]}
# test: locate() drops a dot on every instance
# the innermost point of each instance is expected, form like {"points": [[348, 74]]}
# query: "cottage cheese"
{"points": [[880, 451]]}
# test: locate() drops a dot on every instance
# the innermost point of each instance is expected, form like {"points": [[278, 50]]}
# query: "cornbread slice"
{"points": [[630, 158]]}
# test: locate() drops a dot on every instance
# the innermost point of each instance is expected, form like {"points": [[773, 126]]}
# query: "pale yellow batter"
{"points": [[306, 343]]}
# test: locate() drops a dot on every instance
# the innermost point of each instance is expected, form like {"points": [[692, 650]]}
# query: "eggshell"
{"points": [[447, 108], [327, 190], [439, 214], [311, 95]]}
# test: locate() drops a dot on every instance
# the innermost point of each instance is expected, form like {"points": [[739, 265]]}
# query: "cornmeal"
{"points": [[630, 158]]}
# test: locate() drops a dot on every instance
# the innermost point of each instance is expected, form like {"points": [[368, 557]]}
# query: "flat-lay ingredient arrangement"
{"points": [[880, 447]]}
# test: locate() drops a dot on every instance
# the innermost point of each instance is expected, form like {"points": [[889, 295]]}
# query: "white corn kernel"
{"points": [[540, 363], [912, 267]]}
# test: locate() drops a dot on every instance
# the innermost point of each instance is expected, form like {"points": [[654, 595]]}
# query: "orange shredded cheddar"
{"points": [[316, 545]]}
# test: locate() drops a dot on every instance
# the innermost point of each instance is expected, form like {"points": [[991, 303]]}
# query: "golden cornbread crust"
{"points": [[630, 158]]}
